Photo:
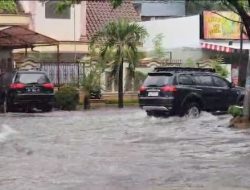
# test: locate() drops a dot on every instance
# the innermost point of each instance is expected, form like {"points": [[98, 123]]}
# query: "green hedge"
{"points": [[67, 98], [235, 110]]}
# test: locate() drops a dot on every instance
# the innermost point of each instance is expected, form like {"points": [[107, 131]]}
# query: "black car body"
{"points": [[27, 90], [176, 91]]}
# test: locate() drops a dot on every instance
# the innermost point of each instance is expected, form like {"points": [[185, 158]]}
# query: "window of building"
{"points": [[51, 11]]}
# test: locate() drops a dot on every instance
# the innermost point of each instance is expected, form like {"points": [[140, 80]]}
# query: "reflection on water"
{"points": [[117, 149]]}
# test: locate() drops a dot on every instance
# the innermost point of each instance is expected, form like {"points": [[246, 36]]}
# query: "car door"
{"points": [[185, 86], [209, 95], [221, 86]]}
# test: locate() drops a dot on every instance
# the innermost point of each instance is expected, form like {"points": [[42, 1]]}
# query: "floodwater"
{"points": [[121, 149]]}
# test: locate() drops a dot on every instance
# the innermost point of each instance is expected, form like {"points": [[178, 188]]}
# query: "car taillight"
{"points": [[48, 85], [169, 88], [142, 89], [17, 86]]}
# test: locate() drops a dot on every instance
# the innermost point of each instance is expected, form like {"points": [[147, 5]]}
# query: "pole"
{"points": [[74, 33], [240, 57], [58, 65], [120, 86]]}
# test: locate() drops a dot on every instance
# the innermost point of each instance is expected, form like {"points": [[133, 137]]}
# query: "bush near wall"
{"points": [[67, 98], [235, 111]]}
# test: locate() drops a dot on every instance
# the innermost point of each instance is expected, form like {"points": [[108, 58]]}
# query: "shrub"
{"points": [[67, 98], [235, 111]]}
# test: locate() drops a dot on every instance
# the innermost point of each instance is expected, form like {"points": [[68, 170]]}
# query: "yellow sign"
{"points": [[221, 25]]}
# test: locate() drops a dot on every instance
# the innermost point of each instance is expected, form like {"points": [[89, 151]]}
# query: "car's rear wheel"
{"points": [[47, 108], [192, 110]]}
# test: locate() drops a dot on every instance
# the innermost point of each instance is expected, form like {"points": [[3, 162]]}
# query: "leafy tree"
{"points": [[218, 64], [64, 4], [159, 51], [122, 38], [196, 6], [241, 7], [91, 82], [9, 6]]}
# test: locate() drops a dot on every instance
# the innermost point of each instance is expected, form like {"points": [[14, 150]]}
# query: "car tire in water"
{"points": [[47, 108], [192, 110]]}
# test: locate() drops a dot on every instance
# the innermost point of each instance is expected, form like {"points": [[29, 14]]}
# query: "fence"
{"points": [[64, 73]]}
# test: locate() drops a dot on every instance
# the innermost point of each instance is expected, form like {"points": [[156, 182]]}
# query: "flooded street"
{"points": [[112, 149]]}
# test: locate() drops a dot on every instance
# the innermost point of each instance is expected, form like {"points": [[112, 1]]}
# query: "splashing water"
{"points": [[6, 131]]}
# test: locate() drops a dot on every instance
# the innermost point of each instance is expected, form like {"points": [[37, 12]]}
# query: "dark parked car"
{"points": [[26, 90], [181, 91]]}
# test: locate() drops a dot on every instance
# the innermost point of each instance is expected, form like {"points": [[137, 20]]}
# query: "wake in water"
{"points": [[6, 131]]}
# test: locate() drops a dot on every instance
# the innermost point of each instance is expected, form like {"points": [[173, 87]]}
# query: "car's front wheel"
{"points": [[192, 110]]}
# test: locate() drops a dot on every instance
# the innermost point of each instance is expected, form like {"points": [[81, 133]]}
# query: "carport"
{"points": [[18, 37]]}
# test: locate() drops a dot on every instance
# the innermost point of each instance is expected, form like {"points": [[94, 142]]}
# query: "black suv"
{"points": [[181, 91], [26, 90]]}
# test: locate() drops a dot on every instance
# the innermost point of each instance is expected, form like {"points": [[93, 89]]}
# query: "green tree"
{"points": [[8, 6], [241, 7], [122, 38], [92, 76], [197, 6], [64, 4], [159, 52]]}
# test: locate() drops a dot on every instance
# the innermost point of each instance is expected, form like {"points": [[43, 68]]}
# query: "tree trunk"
{"points": [[246, 107], [86, 103], [120, 86]]}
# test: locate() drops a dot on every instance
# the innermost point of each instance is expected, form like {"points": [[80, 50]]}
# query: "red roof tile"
{"points": [[101, 12]]}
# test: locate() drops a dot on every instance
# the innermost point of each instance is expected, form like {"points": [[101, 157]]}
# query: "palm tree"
{"points": [[122, 38]]}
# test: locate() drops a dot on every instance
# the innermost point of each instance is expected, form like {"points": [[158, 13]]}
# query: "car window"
{"points": [[185, 80], [158, 80], [31, 78], [204, 80], [220, 82]]}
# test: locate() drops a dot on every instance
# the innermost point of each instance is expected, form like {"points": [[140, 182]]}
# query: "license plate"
{"points": [[153, 93], [33, 90]]}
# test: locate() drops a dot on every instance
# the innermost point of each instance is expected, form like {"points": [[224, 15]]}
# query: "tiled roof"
{"points": [[101, 12]]}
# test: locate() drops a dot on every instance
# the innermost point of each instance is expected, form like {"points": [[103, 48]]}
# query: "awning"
{"points": [[223, 46], [217, 47], [16, 37]]}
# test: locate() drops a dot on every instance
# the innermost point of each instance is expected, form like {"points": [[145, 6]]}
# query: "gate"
{"points": [[64, 73]]}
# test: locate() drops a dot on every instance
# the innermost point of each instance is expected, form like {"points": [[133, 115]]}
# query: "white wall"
{"points": [[59, 29], [177, 32]]}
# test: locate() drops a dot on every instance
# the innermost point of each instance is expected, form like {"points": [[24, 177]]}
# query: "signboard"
{"points": [[217, 26]]}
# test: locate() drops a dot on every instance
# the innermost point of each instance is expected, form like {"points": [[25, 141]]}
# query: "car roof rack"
{"points": [[29, 69], [179, 69]]}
